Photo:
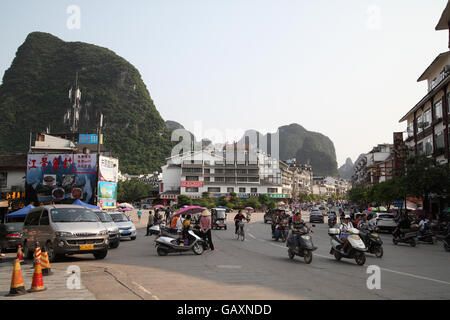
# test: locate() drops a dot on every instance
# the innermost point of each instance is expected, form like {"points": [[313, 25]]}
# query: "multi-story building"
{"points": [[427, 121], [302, 178], [375, 167], [194, 173]]}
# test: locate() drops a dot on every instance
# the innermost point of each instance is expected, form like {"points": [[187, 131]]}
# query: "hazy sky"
{"points": [[345, 68]]}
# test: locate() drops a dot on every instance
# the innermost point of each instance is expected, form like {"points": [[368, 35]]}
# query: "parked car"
{"points": [[10, 235], [386, 221], [316, 216], [110, 225], [127, 228], [64, 229]]}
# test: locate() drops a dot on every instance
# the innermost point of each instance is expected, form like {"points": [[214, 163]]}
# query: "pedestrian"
{"points": [[186, 227], [139, 214], [205, 228], [167, 215], [150, 222]]}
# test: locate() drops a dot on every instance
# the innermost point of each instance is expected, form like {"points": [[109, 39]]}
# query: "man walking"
{"points": [[150, 222], [205, 228]]}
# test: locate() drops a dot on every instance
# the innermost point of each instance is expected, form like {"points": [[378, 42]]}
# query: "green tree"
{"points": [[184, 200]]}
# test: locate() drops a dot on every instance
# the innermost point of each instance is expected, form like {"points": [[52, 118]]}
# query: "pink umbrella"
{"points": [[249, 208], [189, 210], [158, 206], [125, 209], [297, 206]]}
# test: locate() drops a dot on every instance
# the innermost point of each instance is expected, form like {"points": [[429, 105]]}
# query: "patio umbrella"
{"points": [[125, 205], [125, 209], [189, 210], [249, 208], [158, 206]]}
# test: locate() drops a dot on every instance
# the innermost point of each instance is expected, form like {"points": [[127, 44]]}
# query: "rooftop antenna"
{"points": [[72, 115]]}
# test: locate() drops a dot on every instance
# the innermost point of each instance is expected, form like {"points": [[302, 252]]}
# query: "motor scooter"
{"points": [[356, 249], [372, 241], [300, 244], [166, 244], [406, 235]]}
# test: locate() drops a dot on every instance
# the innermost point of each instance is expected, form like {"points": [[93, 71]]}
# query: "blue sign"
{"points": [[89, 138], [398, 203]]}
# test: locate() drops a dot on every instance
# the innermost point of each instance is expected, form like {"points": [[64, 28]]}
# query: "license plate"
{"points": [[126, 233], [86, 247]]}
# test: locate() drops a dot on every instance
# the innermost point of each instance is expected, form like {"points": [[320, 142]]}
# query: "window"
{"points": [[218, 171], [231, 180], [420, 148], [428, 146], [254, 190], [32, 218], [439, 138], [3, 179], [410, 129], [207, 171], [419, 124], [219, 179], [252, 171], [241, 171], [44, 221], [207, 179], [272, 190], [438, 110], [427, 118], [191, 189], [229, 190], [253, 179], [192, 170], [191, 178], [242, 190], [242, 179], [213, 189]]}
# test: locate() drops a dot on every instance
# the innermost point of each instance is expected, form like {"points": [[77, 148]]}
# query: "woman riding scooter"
{"points": [[345, 226], [297, 225]]}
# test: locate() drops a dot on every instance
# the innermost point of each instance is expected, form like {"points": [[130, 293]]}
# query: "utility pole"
{"points": [[99, 130]]}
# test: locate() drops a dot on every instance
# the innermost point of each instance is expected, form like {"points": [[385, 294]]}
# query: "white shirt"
{"points": [[346, 227], [180, 224]]}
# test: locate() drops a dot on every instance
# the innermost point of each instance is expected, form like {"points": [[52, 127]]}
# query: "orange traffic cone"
{"points": [[46, 270], [20, 253], [38, 281], [37, 256], [17, 286]]}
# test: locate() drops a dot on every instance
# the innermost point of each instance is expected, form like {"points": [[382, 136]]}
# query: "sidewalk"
{"points": [[55, 283]]}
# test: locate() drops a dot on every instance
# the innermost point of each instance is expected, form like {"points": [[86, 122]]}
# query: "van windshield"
{"points": [[73, 215], [103, 216]]}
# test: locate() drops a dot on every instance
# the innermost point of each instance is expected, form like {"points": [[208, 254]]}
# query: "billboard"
{"points": [[194, 184], [107, 194], [60, 177], [108, 169], [89, 138]]}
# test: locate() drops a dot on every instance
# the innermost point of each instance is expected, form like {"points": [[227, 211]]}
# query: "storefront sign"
{"points": [[277, 196], [89, 138], [191, 184]]}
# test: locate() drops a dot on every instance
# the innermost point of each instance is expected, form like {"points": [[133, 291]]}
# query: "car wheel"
{"points": [[114, 245], [133, 238], [50, 251], [100, 255]]}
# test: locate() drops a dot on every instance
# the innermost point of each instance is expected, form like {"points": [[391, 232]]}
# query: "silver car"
{"points": [[64, 229], [110, 225], [127, 228]]}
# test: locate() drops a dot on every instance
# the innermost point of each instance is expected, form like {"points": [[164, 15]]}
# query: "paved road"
{"points": [[259, 268]]}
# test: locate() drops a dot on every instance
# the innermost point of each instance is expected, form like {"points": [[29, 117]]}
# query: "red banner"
{"points": [[192, 184]]}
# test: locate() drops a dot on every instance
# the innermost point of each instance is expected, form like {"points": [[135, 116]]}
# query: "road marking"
{"points": [[228, 266], [252, 236], [415, 276], [145, 290]]}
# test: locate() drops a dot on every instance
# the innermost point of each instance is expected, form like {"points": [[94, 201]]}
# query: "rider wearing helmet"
{"points": [[345, 227]]}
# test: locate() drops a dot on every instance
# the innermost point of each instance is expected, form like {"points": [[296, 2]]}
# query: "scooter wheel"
{"points": [[412, 243], [360, 259], [308, 256], [379, 252], [198, 249], [291, 254], [395, 241], [337, 256], [446, 247], [161, 252]]}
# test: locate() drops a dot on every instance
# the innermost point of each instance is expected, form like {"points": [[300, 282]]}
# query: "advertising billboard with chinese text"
{"points": [[107, 194], [61, 177]]}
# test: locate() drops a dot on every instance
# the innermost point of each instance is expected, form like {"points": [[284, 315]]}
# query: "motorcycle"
{"points": [[331, 221], [281, 230], [196, 229], [167, 244], [305, 248], [406, 235], [372, 241], [162, 230], [427, 235], [357, 247], [446, 239]]}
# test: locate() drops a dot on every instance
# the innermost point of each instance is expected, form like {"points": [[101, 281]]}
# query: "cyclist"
{"points": [[238, 218]]}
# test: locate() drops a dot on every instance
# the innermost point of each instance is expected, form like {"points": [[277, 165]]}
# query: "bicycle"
{"points": [[240, 232]]}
